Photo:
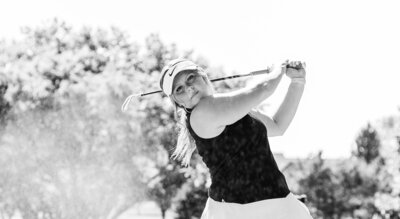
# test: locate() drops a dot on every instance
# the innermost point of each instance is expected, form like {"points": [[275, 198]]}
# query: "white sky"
{"points": [[351, 49]]}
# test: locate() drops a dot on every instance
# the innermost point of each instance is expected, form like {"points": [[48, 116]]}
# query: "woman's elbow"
{"points": [[281, 130], [275, 131]]}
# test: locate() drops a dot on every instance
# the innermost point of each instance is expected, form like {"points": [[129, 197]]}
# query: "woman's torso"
{"points": [[241, 164]]}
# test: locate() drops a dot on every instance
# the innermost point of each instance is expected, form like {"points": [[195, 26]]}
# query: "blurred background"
{"points": [[67, 150]]}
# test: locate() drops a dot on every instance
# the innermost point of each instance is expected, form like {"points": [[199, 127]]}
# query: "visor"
{"points": [[171, 70]]}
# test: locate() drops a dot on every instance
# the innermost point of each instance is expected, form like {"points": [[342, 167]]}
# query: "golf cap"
{"points": [[171, 70]]}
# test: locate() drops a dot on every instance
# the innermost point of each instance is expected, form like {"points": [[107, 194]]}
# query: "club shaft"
{"points": [[264, 71]]}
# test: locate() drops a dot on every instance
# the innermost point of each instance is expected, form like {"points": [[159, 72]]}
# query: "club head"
{"points": [[125, 105]]}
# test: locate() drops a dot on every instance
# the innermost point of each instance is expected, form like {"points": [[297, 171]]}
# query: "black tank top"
{"points": [[241, 164]]}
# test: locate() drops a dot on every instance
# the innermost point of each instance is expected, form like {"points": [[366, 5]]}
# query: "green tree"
{"points": [[62, 164], [192, 205], [160, 137], [368, 144], [345, 189], [158, 128], [66, 149], [388, 197], [4, 104], [398, 143], [319, 187]]}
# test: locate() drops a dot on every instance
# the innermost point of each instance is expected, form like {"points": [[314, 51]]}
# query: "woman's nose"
{"points": [[190, 89]]}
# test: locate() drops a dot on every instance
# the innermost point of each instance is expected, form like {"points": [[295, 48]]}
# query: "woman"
{"points": [[230, 135]]}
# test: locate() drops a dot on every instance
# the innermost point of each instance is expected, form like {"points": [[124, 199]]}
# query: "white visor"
{"points": [[171, 70]]}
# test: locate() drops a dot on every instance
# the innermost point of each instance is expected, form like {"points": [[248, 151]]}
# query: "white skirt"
{"points": [[278, 208]]}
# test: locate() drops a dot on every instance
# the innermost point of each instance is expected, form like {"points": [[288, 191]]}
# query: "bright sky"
{"points": [[351, 49]]}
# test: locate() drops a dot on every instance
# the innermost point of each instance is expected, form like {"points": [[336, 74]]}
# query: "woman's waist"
{"points": [[289, 195], [242, 175], [243, 194]]}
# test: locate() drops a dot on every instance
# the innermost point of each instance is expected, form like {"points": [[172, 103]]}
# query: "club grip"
{"points": [[264, 71]]}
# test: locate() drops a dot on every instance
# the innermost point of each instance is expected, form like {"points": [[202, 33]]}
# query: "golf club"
{"points": [[254, 73]]}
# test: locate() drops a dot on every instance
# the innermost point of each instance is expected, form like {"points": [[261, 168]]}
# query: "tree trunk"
{"points": [[163, 213]]}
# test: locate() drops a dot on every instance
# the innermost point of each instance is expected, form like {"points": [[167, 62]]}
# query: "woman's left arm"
{"points": [[286, 111], [280, 121]]}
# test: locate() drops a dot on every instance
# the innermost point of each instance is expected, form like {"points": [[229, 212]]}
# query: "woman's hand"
{"points": [[296, 69]]}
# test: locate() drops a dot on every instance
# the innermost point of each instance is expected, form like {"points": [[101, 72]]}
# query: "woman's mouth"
{"points": [[194, 94]]}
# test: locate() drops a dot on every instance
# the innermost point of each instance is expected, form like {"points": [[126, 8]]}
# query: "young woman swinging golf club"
{"points": [[231, 136]]}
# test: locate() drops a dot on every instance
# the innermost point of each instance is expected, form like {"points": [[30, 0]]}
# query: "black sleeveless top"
{"points": [[241, 163]]}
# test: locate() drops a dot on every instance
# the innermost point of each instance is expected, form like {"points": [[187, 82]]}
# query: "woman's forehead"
{"points": [[180, 78]]}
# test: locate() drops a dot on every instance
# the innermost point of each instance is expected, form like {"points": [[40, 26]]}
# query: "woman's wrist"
{"points": [[298, 80]]}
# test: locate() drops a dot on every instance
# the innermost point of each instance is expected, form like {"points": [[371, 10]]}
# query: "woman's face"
{"points": [[189, 88]]}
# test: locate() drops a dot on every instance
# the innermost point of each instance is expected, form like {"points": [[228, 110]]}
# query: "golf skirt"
{"points": [[278, 208]]}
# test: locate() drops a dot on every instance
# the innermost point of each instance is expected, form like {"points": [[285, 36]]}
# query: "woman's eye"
{"points": [[190, 78], [178, 90]]}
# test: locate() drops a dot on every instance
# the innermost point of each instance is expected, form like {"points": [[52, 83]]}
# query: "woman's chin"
{"points": [[195, 100]]}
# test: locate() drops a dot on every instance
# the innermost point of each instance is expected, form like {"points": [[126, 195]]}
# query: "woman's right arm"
{"points": [[213, 113]]}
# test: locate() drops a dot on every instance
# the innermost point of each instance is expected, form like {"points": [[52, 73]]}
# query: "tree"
{"points": [[192, 205], [368, 144], [344, 190], [320, 189], [160, 137], [165, 185], [67, 151], [159, 132], [398, 143], [62, 165], [388, 197]]}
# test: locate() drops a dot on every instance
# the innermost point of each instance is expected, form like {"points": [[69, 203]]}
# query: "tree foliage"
{"points": [[67, 151], [345, 190], [66, 163], [192, 205], [368, 144], [64, 141], [364, 186], [388, 197]]}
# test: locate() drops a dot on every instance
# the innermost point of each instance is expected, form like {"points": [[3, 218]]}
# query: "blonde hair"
{"points": [[185, 145]]}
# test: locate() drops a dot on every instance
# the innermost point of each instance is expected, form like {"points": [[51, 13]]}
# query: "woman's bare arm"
{"points": [[288, 108], [213, 113], [278, 123]]}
